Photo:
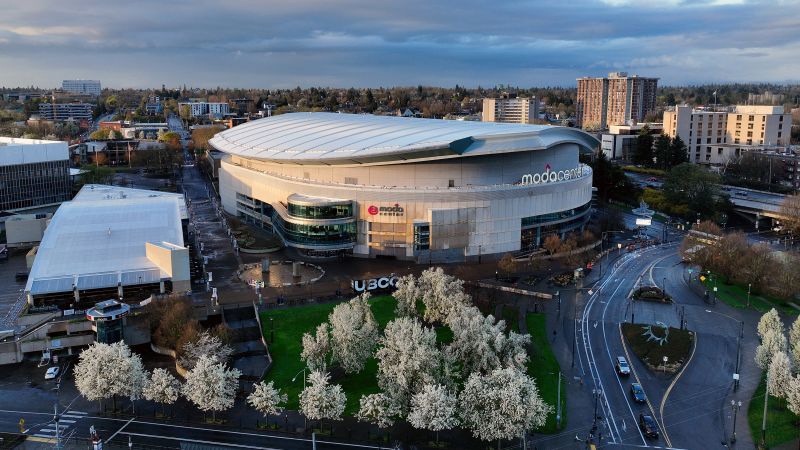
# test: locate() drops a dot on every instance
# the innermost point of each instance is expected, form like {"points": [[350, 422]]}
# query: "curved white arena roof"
{"points": [[331, 138]]}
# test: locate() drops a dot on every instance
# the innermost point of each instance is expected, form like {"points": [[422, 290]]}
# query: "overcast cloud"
{"points": [[268, 43]]}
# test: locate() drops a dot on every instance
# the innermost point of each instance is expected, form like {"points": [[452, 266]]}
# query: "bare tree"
{"points": [[552, 243], [790, 210]]}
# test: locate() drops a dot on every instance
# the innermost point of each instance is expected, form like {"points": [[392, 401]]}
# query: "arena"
{"points": [[412, 189]]}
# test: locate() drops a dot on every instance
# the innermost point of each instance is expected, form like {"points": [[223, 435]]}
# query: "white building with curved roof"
{"points": [[379, 186]]}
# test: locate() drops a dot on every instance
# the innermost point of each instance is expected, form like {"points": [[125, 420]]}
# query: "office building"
{"points": [[405, 188], [85, 87], [618, 99], [714, 137], [510, 109], [620, 140], [65, 111], [111, 243], [33, 173]]}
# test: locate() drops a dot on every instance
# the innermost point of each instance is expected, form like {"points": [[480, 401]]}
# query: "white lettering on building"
{"points": [[549, 176]]}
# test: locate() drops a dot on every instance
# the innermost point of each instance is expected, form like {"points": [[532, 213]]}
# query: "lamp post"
{"points": [[735, 407], [749, 285], [294, 378], [619, 247]]}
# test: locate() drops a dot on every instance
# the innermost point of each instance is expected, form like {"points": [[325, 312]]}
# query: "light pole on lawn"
{"points": [[749, 285], [294, 378]]}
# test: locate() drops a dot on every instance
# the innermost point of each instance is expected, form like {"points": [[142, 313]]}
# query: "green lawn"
{"points": [[290, 324], [736, 296], [677, 348], [782, 425], [544, 368]]}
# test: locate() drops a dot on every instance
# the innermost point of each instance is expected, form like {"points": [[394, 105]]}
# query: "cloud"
{"points": [[355, 42]]}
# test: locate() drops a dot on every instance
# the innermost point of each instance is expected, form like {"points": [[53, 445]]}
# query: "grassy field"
{"points": [[736, 296], [544, 367], [291, 323], [782, 425], [677, 348]]}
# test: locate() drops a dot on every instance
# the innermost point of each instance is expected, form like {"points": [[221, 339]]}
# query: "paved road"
{"points": [[696, 412]]}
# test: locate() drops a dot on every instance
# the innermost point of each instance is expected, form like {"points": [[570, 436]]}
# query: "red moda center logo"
{"points": [[395, 210]]}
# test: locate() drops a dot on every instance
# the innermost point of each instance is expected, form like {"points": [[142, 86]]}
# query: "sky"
{"points": [[343, 43]]}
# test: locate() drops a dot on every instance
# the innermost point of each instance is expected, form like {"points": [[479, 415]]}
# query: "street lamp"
{"points": [[294, 378], [735, 406], [749, 285], [619, 247]]}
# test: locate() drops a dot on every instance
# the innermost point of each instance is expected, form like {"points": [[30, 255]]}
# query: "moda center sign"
{"points": [[551, 176], [395, 210]]}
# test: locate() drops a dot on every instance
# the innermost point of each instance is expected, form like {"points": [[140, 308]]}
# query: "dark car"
{"points": [[623, 369], [21, 276], [648, 426], [637, 392]]}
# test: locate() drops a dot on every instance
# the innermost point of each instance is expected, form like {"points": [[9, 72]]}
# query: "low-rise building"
{"points": [[65, 111], [111, 243], [89, 87], [620, 140], [198, 109]]}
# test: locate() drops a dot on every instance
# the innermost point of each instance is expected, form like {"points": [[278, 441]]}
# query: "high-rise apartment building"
{"points": [[618, 99], [86, 87], [510, 109], [714, 137]]}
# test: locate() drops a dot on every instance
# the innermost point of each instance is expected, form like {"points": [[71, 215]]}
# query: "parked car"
{"points": [[648, 426], [637, 392], [51, 373], [623, 369]]}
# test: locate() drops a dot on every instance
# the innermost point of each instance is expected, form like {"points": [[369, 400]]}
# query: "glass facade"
{"points": [[320, 235], [254, 211], [422, 236], [536, 228], [29, 185], [320, 212]]}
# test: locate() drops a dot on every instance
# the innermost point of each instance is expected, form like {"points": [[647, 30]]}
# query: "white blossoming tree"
{"points": [[211, 386], [433, 408], [106, 371], [407, 294], [793, 395], [321, 400], [794, 342], [501, 405], [378, 409], [162, 388], [407, 359], [442, 295], [354, 333], [266, 399], [207, 345], [482, 345], [772, 342], [770, 321], [779, 375], [316, 348]]}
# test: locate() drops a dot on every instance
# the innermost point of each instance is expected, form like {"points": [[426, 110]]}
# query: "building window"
{"points": [[422, 236], [699, 141], [739, 117], [350, 180], [451, 183], [752, 118], [719, 140], [779, 134]]}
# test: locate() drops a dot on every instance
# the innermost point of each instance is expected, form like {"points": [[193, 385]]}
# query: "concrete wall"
{"points": [[172, 259], [25, 230], [482, 214]]}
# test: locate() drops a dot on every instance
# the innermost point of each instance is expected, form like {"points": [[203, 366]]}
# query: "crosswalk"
{"points": [[65, 422]]}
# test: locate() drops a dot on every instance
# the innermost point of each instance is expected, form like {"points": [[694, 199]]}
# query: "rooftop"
{"points": [[28, 151], [94, 192], [331, 138], [95, 243]]}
